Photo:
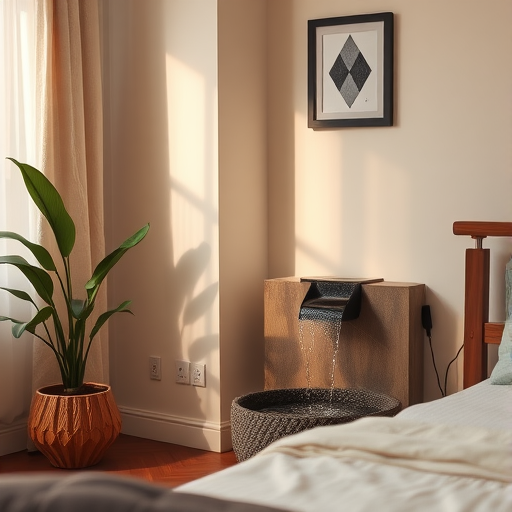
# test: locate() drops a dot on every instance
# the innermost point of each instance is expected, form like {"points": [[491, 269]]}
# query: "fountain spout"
{"points": [[332, 297]]}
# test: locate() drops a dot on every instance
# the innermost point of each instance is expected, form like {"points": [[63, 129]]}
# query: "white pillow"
{"points": [[502, 372]]}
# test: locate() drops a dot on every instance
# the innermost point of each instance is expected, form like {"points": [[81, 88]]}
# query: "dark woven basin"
{"points": [[258, 419]]}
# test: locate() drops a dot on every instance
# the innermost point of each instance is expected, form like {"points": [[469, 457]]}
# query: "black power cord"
{"points": [[448, 367], [426, 321]]}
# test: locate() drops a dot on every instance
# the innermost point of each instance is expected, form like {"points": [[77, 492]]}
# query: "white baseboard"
{"points": [[13, 438], [201, 434]]}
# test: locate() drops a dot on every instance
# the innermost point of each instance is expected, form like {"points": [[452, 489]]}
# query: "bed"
{"points": [[453, 454]]}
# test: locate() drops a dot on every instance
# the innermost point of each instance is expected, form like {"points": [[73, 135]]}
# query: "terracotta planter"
{"points": [[74, 431]]}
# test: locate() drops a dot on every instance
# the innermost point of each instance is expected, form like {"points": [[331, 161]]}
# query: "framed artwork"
{"points": [[350, 71]]}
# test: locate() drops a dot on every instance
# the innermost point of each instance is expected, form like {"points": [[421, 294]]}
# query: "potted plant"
{"points": [[71, 436]]}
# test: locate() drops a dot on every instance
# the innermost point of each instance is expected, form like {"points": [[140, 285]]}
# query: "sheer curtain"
{"points": [[50, 117], [18, 140], [71, 116]]}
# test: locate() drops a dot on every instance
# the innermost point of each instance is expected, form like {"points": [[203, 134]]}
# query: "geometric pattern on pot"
{"points": [[74, 431]]}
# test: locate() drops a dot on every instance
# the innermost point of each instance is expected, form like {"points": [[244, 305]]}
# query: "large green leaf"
{"points": [[39, 279], [8, 318], [49, 202], [122, 308], [19, 328], [109, 261], [42, 255], [20, 294], [77, 307]]}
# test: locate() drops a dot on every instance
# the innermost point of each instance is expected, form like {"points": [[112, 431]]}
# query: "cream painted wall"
{"points": [[381, 201], [208, 140], [200, 179], [163, 162]]}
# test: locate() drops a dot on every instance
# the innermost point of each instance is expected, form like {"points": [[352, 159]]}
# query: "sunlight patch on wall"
{"points": [[193, 209], [191, 203], [187, 121], [318, 193], [353, 207]]}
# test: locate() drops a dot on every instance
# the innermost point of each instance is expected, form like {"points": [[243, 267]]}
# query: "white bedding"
{"points": [[436, 464], [482, 405]]}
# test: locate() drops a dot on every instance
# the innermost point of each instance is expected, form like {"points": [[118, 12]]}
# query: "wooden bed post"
{"points": [[476, 314], [478, 331]]}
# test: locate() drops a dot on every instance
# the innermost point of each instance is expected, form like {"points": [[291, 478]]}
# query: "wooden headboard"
{"points": [[478, 331]]}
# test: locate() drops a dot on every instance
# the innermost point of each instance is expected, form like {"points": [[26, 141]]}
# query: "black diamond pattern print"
{"points": [[350, 71]]}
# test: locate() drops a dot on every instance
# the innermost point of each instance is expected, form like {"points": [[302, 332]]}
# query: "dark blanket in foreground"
{"points": [[101, 492]]}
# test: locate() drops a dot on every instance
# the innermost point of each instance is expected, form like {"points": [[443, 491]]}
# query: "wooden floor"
{"points": [[163, 463]]}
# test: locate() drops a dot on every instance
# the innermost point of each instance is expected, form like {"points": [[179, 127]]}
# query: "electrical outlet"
{"points": [[198, 374], [182, 372], [155, 368]]}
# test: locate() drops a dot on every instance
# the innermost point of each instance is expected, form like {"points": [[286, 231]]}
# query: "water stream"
{"points": [[310, 321]]}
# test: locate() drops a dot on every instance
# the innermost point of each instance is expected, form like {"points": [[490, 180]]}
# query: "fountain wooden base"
{"points": [[74, 431], [382, 350]]}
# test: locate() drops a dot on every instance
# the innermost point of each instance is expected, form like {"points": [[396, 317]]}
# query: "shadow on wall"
{"points": [[189, 269], [159, 169]]}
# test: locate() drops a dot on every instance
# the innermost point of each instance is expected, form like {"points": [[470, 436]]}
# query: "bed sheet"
{"points": [[323, 482], [482, 405]]}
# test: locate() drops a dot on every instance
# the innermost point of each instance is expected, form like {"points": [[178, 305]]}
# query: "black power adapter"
{"points": [[426, 322], [426, 319]]}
